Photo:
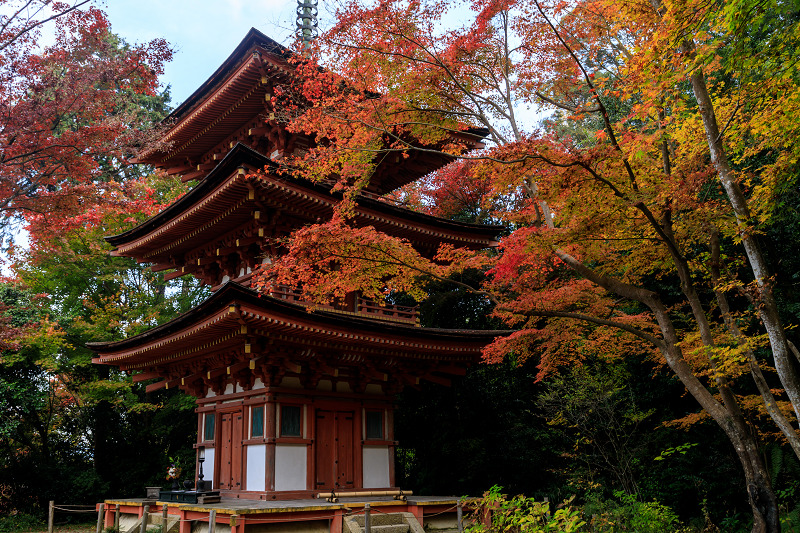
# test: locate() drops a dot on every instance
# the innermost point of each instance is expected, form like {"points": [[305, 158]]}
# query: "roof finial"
{"points": [[307, 21]]}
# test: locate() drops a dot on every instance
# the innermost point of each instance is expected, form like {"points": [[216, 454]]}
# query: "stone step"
{"points": [[390, 528], [153, 520], [382, 519], [383, 523]]}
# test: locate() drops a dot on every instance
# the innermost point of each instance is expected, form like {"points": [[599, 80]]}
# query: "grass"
{"points": [[41, 527]]}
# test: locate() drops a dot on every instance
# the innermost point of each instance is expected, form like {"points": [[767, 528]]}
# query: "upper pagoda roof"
{"points": [[234, 105], [233, 95], [231, 194], [252, 41]]}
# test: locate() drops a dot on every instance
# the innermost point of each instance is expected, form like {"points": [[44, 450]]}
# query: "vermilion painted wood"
{"points": [[325, 450]]}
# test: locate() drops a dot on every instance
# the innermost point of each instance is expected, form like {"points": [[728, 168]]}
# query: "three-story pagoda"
{"points": [[292, 400]]}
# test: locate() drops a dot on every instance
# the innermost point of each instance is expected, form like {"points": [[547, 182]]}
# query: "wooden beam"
{"points": [[155, 386], [179, 169], [180, 272], [158, 267], [247, 241], [144, 376], [192, 175]]}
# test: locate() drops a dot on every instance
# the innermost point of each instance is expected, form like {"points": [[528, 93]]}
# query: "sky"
{"points": [[202, 32]]}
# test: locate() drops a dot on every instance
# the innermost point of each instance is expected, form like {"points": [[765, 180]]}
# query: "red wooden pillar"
{"points": [[270, 421], [184, 525], [108, 516], [390, 437], [236, 523], [337, 522], [416, 510]]}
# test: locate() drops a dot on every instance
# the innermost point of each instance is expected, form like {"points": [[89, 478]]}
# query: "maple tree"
{"points": [[71, 116], [90, 295], [637, 215], [68, 108]]}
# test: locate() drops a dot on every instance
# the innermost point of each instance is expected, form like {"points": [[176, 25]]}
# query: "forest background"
{"points": [[621, 189]]}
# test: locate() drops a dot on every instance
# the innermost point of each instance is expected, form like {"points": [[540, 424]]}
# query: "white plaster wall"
{"points": [[290, 466], [229, 389], [256, 467], [208, 467], [376, 467], [373, 388], [258, 384]]}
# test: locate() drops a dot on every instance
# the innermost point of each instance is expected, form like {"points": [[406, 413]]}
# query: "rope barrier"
{"points": [[449, 510], [77, 505], [74, 510]]}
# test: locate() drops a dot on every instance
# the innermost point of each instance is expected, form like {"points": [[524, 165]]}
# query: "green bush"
{"points": [[522, 515], [496, 513], [19, 522], [626, 513]]}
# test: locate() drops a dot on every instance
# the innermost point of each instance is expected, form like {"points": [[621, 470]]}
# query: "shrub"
{"points": [[522, 515], [19, 522], [626, 513]]}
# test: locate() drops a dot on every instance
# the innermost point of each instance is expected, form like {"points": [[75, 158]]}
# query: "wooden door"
{"points": [[230, 451], [334, 465], [325, 451], [344, 450]]}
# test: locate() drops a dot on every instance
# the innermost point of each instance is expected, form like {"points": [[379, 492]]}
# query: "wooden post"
{"points": [[234, 522], [367, 526], [164, 511], [460, 516], [100, 516], [116, 518], [212, 521], [547, 501], [145, 512], [51, 510], [338, 518]]}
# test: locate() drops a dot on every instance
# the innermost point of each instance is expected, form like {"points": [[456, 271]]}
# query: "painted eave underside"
{"points": [[228, 98], [235, 316], [224, 194]]}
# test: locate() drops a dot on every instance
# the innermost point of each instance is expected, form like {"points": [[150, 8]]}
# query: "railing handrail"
{"points": [[364, 306]]}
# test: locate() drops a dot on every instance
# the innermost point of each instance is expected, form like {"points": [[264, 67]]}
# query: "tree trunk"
{"points": [[765, 301]]}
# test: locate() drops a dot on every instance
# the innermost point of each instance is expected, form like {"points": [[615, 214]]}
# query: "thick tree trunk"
{"points": [[763, 502], [727, 415], [770, 404], [765, 302]]}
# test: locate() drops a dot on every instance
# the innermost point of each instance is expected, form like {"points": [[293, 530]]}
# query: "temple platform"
{"points": [[233, 515]]}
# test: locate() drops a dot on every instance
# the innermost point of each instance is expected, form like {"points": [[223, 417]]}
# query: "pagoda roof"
{"points": [[252, 40], [236, 319], [236, 97], [234, 94], [221, 203]]}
